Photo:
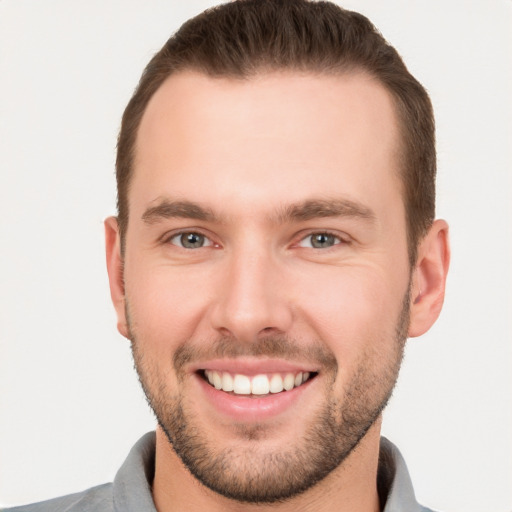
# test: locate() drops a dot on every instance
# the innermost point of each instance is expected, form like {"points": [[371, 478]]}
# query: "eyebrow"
{"points": [[177, 209], [320, 208], [303, 211]]}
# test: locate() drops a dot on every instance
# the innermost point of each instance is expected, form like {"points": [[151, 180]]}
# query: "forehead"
{"points": [[278, 135]]}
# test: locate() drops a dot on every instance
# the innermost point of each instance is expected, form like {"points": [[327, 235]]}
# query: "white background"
{"points": [[70, 405]]}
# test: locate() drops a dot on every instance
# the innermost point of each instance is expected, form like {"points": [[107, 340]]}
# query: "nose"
{"points": [[252, 298]]}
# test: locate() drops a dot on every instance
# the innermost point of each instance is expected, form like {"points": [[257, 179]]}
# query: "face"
{"points": [[266, 277]]}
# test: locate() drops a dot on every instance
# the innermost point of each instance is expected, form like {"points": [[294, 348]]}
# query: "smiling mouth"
{"points": [[257, 385]]}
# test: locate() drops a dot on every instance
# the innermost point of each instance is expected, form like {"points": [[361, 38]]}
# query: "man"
{"points": [[274, 247]]}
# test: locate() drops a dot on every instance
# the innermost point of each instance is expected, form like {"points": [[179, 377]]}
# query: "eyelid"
{"points": [[168, 236], [342, 238]]}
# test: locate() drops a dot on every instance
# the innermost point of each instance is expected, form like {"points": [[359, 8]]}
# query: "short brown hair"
{"points": [[244, 37]]}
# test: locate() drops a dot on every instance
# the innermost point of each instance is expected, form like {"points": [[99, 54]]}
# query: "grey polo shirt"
{"points": [[131, 489]]}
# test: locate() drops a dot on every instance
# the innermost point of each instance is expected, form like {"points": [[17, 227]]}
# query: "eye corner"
{"points": [[188, 239], [322, 240]]}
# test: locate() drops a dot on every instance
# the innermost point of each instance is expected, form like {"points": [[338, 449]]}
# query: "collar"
{"points": [[132, 484]]}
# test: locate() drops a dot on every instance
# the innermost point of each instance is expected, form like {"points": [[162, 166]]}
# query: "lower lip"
{"points": [[252, 408]]}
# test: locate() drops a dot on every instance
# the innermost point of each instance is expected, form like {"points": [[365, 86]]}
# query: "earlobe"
{"points": [[429, 279], [115, 272]]}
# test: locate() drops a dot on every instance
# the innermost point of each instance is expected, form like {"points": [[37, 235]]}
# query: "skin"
{"points": [[246, 152]]}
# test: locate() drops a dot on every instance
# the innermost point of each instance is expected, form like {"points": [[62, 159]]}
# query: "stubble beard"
{"points": [[253, 475]]}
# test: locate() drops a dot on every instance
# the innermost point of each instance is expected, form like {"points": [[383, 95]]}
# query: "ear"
{"points": [[429, 279], [115, 272]]}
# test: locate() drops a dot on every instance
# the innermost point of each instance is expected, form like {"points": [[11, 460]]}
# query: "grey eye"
{"points": [[190, 240], [322, 240]]}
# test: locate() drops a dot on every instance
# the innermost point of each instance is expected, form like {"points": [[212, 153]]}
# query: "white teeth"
{"points": [[227, 382], [217, 380], [276, 383], [242, 385], [258, 385], [289, 381]]}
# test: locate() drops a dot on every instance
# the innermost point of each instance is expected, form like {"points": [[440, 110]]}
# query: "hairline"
{"points": [[266, 69]]}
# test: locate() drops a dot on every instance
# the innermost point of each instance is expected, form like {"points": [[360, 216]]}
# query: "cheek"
{"points": [[352, 309], [356, 317], [166, 303]]}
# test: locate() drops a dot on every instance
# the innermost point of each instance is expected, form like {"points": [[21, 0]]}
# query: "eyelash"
{"points": [[168, 238], [338, 240]]}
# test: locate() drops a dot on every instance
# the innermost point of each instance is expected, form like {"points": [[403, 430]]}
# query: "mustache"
{"points": [[272, 346]]}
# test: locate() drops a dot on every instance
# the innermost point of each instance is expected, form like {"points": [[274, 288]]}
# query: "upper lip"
{"points": [[254, 366]]}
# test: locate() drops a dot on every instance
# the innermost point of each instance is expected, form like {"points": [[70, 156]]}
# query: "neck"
{"points": [[350, 487]]}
